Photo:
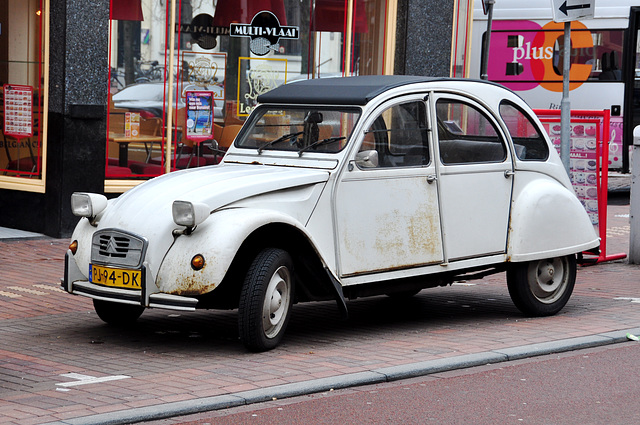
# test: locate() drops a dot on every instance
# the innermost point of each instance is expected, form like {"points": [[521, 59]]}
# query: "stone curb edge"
{"points": [[387, 374]]}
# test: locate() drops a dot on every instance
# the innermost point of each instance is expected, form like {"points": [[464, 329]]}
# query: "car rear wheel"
{"points": [[266, 299], [542, 287], [117, 314]]}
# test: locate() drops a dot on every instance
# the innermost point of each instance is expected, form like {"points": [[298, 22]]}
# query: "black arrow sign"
{"points": [[564, 8]]}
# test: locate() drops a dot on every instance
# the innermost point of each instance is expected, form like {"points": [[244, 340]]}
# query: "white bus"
{"points": [[525, 54]]}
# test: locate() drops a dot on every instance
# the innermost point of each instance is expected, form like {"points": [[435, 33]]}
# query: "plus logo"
{"points": [[524, 55]]}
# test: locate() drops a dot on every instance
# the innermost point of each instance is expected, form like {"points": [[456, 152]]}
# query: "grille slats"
{"points": [[113, 247]]}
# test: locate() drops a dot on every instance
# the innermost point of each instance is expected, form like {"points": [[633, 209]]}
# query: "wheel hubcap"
{"points": [[548, 279], [276, 302]]}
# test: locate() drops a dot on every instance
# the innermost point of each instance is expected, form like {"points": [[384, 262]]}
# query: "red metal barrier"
{"points": [[589, 142]]}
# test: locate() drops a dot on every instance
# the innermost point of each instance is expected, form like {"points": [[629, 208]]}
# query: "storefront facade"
{"points": [[102, 95]]}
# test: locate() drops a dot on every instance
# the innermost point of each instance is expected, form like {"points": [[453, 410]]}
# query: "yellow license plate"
{"points": [[120, 278]]}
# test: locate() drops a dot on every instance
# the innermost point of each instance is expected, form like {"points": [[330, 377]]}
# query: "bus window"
{"points": [[605, 56]]}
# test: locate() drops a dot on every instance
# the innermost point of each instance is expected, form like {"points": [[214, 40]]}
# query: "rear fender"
{"points": [[548, 220]]}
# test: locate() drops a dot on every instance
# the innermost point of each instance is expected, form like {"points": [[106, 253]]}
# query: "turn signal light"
{"points": [[197, 262], [73, 247]]}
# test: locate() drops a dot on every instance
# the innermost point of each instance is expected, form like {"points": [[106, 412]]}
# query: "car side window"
{"points": [[398, 136], [466, 135], [528, 141]]}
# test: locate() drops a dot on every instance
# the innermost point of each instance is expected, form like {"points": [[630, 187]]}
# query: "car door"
{"points": [[475, 176], [386, 201]]}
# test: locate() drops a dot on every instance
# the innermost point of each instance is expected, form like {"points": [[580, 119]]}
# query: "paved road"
{"points": [[595, 386], [59, 362]]}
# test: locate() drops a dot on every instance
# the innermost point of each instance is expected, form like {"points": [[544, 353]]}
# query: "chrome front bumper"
{"points": [[75, 282]]}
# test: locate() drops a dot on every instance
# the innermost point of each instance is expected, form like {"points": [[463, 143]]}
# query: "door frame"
{"points": [[441, 169]]}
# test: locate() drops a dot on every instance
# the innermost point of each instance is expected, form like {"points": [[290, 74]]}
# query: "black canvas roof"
{"points": [[338, 91]]}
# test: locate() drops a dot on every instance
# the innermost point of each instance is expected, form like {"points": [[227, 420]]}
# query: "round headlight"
{"points": [[189, 214], [88, 204]]}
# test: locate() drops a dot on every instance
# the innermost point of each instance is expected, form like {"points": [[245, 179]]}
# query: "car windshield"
{"points": [[300, 129]]}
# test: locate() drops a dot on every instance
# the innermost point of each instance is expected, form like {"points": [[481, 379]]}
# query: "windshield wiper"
{"points": [[320, 142], [278, 140]]}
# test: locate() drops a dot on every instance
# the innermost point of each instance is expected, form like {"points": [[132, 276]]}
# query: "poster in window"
{"points": [[258, 76], [203, 71], [18, 110], [199, 115]]}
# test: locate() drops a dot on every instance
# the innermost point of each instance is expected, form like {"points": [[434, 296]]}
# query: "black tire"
{"points": [[266, 299], [542, 287], [117, 314]]}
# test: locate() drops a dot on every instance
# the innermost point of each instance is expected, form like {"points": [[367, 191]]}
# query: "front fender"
{"points": [[218, 240], [83, 234], [548, 220]]}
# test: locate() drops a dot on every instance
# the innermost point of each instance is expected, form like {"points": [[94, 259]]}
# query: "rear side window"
{"points": [[466, 135], [527, 139]]}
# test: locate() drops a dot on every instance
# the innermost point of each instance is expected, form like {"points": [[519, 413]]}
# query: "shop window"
{"points": [[219, 53], [137, 89], [22, 95]]}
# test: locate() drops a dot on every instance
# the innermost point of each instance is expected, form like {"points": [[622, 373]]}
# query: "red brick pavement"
{"points": [[169, 356]]}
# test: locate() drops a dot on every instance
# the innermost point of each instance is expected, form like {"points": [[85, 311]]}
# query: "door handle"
{"points": [[431, 178], [508, 173]]}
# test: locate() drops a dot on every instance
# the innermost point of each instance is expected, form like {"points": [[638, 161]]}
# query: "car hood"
{"points": [[146, 209], [149, 204]]}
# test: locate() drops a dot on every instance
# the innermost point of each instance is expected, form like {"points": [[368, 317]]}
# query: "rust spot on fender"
{"points": [[192, 283]]}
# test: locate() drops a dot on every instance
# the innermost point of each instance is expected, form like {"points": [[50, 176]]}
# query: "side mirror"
{"points": [[367, 159]]}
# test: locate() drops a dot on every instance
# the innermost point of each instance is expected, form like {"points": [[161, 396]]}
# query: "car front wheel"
{"points": [[117, 314], [542, 287], [266, 299]]}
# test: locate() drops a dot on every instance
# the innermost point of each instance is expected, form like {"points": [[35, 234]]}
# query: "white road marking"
{"points": [[633, 300], [87, 379], [27, 290], [53, 288]]}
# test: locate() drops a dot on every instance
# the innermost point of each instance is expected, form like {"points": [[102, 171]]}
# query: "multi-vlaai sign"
{"points": [[265, 32]]}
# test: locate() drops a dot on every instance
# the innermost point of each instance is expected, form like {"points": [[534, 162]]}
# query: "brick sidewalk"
{"points": [[46, 334]]}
